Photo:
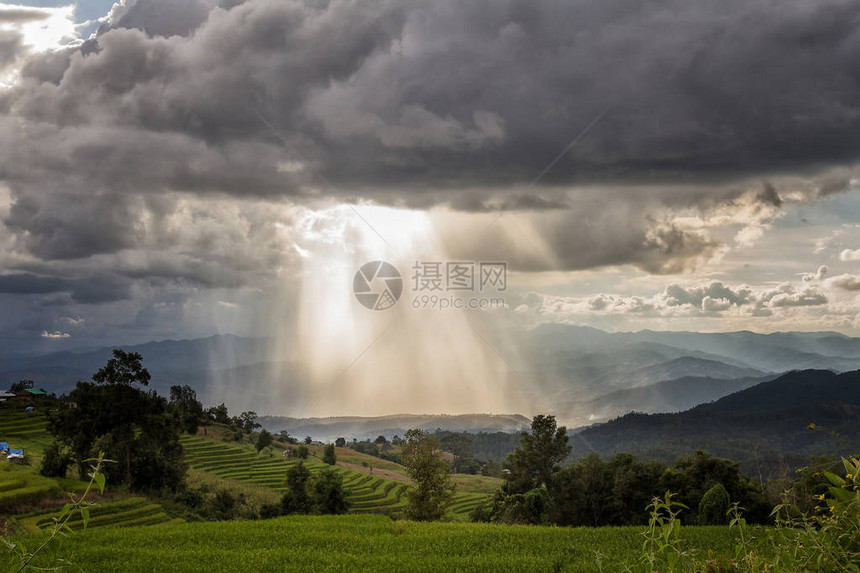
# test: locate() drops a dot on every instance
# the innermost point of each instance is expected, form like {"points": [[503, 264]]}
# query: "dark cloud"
{"points": [[10, 47], [427, 95], [769, 196], [87, 290], [18, 15], [421, 104]]}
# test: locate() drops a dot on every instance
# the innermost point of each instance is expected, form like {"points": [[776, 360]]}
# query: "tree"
{"points": [[131, 426], [329, 456], [296, 500], [264, 439], [714, 506], [54, 461], [538, 457], [380, 440], [248, 421], [219, 414], [340, 442], [308, 440], [302, 452], [183, 402], [124, 369], [528, 508], [20, 386], [492, 469], [433, 489], [327, 495], [457, 445]]}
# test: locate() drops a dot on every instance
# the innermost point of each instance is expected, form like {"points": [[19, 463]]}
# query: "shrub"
{"points": [[191, 498], [714, 506], [327, 495], [329, 456], [270, 511], [296, 500], [264, 440], [223, 505], [527, 508]]}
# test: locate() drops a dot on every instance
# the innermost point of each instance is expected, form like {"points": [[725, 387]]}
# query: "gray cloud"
{"points": [[421, 104], [18, 15], [93, 289]]}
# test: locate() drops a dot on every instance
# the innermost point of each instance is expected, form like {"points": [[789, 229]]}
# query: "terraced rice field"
{"points": [[17, 423], [125, 512], [365, 493]]}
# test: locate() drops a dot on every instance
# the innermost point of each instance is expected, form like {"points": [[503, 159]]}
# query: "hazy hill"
{"points": [[765, 426], [668, 396], [389, 426]]}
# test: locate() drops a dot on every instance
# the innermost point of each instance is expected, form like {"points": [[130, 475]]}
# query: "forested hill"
{"points": [[800, 388], [766, 427]]}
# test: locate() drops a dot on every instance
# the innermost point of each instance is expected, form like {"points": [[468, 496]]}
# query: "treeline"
{"points": [[483, 447], [538, 489]]}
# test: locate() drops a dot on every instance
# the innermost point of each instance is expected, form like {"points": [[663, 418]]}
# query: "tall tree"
{"points": [[433, 489], [125, 368], [130, 425], [20, 386], [459, 446], [539, 456], [264, 439], [183, 402], [219, 414], [296, 499], [327, 495], [329, 455], [248, 421]]}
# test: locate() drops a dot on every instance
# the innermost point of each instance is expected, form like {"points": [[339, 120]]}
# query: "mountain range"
{"points": [[771, 428], [587, 375]]}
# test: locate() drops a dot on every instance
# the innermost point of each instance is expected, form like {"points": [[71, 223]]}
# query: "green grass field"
{"points": [[365, 493], [362, 543]]}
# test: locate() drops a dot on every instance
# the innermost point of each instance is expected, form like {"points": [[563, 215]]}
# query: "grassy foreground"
{"points": [[360, 543]]}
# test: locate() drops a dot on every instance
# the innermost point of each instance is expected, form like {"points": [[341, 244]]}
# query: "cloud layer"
{"points": [[173, 150]]}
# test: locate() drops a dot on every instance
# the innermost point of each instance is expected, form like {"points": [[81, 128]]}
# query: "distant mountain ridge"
{"points": [[766, 426], [369, 427], [588, 375]]}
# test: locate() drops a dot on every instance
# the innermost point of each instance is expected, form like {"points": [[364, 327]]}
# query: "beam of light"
{"points": [[333, 360]]}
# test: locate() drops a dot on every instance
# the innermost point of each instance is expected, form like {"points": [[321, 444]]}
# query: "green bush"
{"points": [[327, 495], [714, 506], [329, 456], [54, 462], [270, 511]]}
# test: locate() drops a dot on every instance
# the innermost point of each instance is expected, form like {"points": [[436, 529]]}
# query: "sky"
{"points": [[182, 168]]}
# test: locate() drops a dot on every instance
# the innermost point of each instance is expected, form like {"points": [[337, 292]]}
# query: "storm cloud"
{"points": [[171, 146]]}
